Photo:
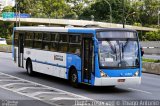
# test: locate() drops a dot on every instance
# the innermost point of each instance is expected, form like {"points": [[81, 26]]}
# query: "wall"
{"points": [[151, 67], [6, 48], [151, 47]]}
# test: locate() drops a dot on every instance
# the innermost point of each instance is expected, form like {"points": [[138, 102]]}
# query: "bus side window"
{"points": [[37, 44], [74, 44], [29, 39], [46, 44], [63, 43], [16, 34], [54, 46], [54, 42]]}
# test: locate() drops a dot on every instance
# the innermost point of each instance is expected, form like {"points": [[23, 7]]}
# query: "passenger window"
{"points": [[75, 48], [29, 40], [63, 47], [46, 44], [46, 37], [75, 38], [54, 37], [38, 36], [63, 38], [63, 43], [75, 44], [54, 46], [16, 39], [37, 44]]}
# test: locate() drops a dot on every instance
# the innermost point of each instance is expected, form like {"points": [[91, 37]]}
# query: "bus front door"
{"points": [[20, 49], [87, 59]]}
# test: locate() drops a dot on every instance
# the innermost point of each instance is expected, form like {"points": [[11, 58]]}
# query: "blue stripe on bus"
{"points": [[81, 30], [57, 65]]}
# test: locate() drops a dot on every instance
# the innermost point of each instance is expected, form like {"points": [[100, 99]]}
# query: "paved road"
{"points": [[15, 99], [148, 90], [156, 57]]}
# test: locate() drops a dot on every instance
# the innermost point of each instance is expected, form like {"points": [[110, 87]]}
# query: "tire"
{"points": [[73, 78], [30, 68], [113, 86]]}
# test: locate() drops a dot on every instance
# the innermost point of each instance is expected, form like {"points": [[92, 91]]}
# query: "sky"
{"points": [[7, 2]]}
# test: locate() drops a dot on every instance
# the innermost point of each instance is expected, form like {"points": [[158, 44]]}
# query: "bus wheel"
{"points": [[29, 68], [73, 78]]}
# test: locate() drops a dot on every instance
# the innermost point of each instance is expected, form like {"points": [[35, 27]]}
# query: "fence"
{"points": [[151, 47]]}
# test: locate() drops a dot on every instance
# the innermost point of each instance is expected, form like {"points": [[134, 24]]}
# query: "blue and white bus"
{"points": [[92, 56]]}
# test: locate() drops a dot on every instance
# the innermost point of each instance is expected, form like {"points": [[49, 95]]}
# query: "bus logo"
{"points": [[58, 57]]}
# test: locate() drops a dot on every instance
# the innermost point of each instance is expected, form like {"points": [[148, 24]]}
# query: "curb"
{"points": [[150, 67], [6, 48]]}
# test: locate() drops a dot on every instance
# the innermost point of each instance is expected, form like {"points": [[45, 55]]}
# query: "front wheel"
{"points": [[73, 78], [29, 68]]}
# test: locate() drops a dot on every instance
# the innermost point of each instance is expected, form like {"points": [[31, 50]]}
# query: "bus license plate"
{"points": [[121, 80]]}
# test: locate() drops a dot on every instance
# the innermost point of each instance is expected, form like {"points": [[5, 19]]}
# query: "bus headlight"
{"points": [[136, 73], [103, 74]]}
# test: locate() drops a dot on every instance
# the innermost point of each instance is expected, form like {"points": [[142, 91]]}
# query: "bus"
{"points": [[92, 56]]}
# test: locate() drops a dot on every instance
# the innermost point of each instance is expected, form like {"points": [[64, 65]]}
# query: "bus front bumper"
{"points": [[112, 81]]}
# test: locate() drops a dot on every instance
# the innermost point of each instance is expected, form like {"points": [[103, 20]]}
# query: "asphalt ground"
{"points": [[148, 90]]}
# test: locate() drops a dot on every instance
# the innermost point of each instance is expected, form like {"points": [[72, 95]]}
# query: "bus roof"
{"points": [[69, 30]]}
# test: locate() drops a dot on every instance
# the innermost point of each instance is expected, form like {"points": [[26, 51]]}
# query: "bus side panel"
{"points": [[50, 63], [74, 60], [16, 55], [13, 52]]}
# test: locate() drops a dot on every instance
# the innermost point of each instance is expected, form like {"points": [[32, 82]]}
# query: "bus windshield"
{"points": [[118, 52]]}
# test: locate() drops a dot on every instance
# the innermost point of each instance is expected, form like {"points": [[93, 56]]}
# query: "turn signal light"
{"points": [[103, 74]]}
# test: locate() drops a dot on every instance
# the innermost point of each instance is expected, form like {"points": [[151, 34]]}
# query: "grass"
{"points": [[4, 45], [150, 60]]}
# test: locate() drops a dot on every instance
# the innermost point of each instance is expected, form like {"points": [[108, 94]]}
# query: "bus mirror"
{"points": [[142, 51]]}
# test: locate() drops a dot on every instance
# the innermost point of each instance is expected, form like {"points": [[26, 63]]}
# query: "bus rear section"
{"points": [[117, 58]]}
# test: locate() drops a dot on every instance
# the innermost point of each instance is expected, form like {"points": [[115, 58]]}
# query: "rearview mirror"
{"points": [[142, 51]]}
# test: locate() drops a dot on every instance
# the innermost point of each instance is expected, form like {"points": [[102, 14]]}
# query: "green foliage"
{"points": [[153, 36], [150, 60], [101, 11], [5, 29], [54, 8], [7, 9], [137, 24], [146, 12], [77, 6]]}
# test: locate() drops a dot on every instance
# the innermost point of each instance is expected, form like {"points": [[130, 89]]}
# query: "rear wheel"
{"points": [[113, 86], [29, 68], [73, 78]]}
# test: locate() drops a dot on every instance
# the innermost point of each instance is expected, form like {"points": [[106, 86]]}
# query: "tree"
{"points": [[55, 8], [77, 7], [153, 36], [101, 11], [147, 11], [7, 9]]}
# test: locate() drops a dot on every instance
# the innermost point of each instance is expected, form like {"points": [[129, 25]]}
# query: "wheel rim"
{"points": [[29, 69], [74, 78]]}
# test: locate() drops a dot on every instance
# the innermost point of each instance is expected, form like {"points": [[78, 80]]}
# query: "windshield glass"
{"points": [[118, 53]]}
